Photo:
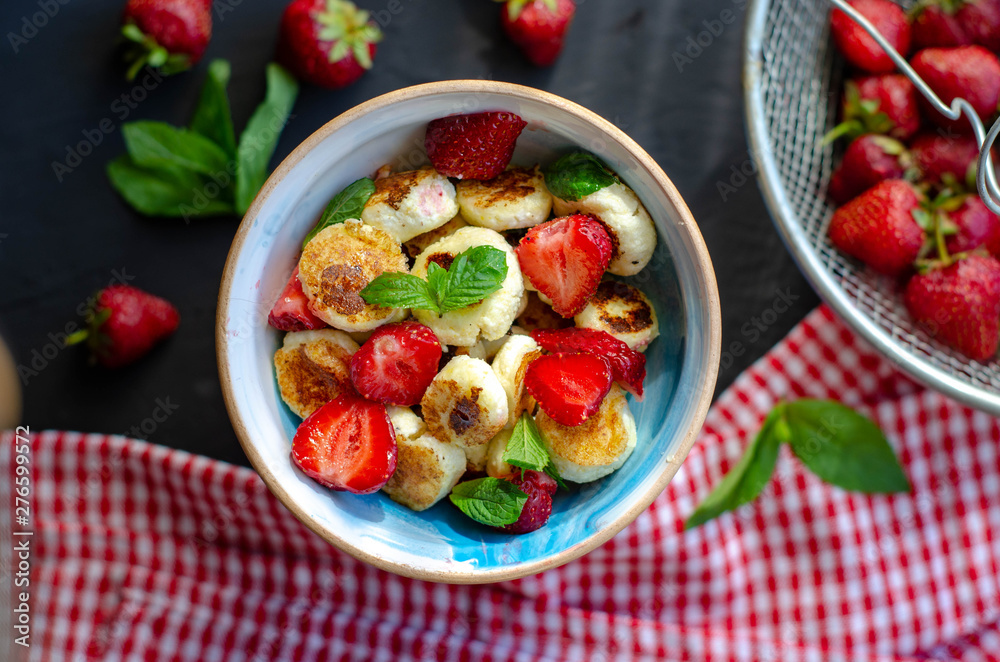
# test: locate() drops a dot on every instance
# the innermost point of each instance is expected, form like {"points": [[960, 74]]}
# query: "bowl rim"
{"points": [[709, 364], [793, 236]]}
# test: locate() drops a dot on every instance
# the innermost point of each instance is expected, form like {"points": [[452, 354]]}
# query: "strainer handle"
{"points": [[986, 179]]}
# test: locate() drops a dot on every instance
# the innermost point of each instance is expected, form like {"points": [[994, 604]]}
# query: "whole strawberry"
{"points": [[330, 43], [538, 27], [878, 227], [867, 161], [970, 72], [167, 34], [858, 47], [981, 21], [536, 511], [124, 323], [959, 304], [945, 23], [975, 225], [883, 104], [948, 160]]}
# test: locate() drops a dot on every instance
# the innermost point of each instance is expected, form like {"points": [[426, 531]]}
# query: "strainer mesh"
{"points": [[801, 82]]}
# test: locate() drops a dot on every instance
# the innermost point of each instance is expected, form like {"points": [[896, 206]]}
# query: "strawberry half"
{"points": [[473, 146], [167, 34], [970, 72], [396, 364], [565, 259], [858, 47], [124, 323], [878, 227], [628, 367], [960, 304], [569, 387], [538, 27], [348, 444], [540, 488], [291, 310]]}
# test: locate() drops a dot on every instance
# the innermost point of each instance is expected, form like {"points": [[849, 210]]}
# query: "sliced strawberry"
{"points": [[291, 310], [628, 367], [473, 146], [396, 364], [569, 387], [564, 259], [348, 444], [536, 511]]}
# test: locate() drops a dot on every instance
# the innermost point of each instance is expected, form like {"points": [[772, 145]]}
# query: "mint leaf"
{"points": [[843, 447], [260, 137], [437, 277], [490, 501], [577, 175], [525, 448], [212, 117], [156, 144], [474, 274], [166, 191], [347, 204], [398, 289], [745, 481]]}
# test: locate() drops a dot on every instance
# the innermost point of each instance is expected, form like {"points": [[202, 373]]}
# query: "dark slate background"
{"points": [[636, 62]]}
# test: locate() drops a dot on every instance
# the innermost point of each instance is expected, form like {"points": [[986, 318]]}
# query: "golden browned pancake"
{"points": [[312, 368], [623, 311]]}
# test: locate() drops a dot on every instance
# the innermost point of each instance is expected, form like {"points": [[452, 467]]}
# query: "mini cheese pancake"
{"points": [[595, 448], [406, 424], [475, 458], [416, 246], [495, 465], [411, 203], [624, 312], [510, 364], [338, 263], [633, 235], [465, 404], [426, 471], [516, 198], [539, 315], [491, 317], [312, 368]]}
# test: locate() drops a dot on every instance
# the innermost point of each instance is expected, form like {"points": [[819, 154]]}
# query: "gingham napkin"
{"points": [[145, 553]]}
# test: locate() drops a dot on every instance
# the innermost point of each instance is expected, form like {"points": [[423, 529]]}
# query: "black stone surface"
{"points": [[666, 72]]}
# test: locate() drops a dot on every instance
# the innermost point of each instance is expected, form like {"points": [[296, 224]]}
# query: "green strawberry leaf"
{"points": [[489, 501], [260, 137], [347, 204], [156, 144], [843, 447], [165, 191], [212, 117], [577, 175]]}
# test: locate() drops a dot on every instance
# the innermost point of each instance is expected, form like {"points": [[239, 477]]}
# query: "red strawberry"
{"points": [[936, 25], [628, 367], [867, 161], [124, 323], [168, 34], [538, 27], [878, 227], [981, 21], [960, 304], [396, 364], [857, 45], [473, 146], [564, 259], [882, 104], [949, 160], [977, 226], [970, 72], [569, 387], [347, 444], [329, 43], [540, 488], [291, 310]]}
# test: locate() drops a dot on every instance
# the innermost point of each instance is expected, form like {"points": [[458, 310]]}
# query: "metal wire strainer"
{"points": [[792, 86]]}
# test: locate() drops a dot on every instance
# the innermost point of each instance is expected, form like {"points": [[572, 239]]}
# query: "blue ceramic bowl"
{"points": [[442, 544]]}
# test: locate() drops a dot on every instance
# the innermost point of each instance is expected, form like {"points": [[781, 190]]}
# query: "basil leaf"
{"points": [[525, 448], [398, 289], [260, 137], [212, 117], [474, 274], [577, 175], [156, 144], [747, 478], [347, 204], [167, 191], [489, 500], [843, 447]]}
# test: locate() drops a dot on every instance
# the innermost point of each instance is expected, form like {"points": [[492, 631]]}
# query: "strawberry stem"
{"points": [[78, 337]]}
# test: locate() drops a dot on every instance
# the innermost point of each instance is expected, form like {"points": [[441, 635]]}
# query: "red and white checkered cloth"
{"points": [[145, 553]]}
